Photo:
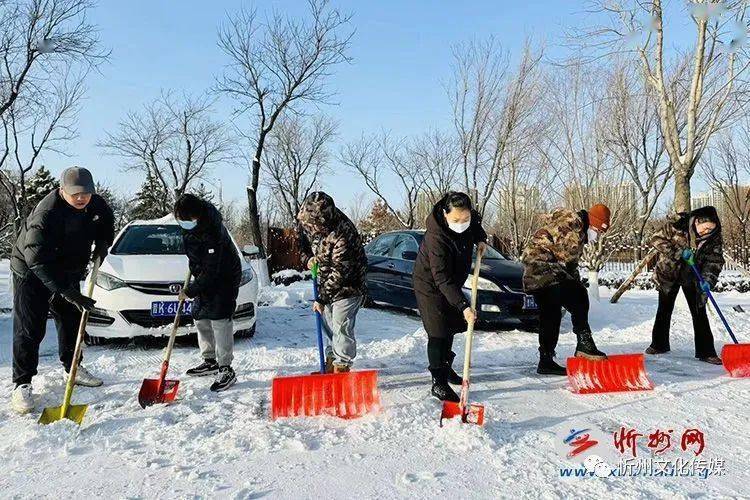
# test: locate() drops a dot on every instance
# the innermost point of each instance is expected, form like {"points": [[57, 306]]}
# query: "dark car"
{"points": [[500, 297]]}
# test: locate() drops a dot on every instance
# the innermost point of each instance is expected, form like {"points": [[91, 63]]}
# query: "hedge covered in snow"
{"points": [[729, 281]]}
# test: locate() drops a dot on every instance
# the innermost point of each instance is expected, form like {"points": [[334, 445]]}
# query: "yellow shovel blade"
{"points": [[54, 413]]}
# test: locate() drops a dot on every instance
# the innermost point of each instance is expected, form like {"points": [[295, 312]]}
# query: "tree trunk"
{"points": [[594, 285], [681, 190], [254, 220]]}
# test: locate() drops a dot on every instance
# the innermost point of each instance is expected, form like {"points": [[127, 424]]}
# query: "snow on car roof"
{"points": [[167, 219]]}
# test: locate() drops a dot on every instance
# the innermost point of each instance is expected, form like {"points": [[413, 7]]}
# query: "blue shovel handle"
{"points": [[318, 320], [689, 257]]}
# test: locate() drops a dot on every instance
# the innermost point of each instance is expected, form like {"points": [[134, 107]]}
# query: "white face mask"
{"points": [[459, 227], [187, 224], [592, 234]]}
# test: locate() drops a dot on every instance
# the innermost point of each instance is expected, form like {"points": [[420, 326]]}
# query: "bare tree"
{"points": [[493, 108], [46, 126], [276, 66], [358, 209], [382, 162], [522, 195], [40, 39], [436, 157], [727, 171], [632, 136], [176, 139], [715, 83], [296, 155]]}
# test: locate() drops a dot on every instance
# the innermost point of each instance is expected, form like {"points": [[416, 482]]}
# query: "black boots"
{"points": [[453, 377], [440, 387], [586, 347], [547, 365]]}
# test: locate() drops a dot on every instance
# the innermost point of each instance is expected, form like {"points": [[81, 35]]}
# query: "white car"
{"points": [[138, 283]]}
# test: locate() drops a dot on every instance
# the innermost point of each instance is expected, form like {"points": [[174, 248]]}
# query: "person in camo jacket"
{"points": [[337, 248], [697, 233], [551, 276]]}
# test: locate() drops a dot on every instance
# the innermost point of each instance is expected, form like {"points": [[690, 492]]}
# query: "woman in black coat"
{"points": [[442, 266]]}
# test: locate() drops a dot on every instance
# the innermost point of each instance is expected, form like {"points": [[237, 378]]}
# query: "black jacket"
{"points": [[55, 240], [215, 266], [443, 263]]}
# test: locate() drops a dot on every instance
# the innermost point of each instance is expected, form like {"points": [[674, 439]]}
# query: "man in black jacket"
{"points": [[217, 272], [49, 261]]}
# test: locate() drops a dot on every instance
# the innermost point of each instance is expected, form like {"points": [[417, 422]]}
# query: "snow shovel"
{"points": [[344, 395], [735, 357], [617, 373], [67, 410], [160, 390], [470, 413]]}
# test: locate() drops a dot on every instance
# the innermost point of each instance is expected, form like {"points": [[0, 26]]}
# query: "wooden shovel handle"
{"points": [[176, 322], [631, 279], [79, 343], [470, 333]]}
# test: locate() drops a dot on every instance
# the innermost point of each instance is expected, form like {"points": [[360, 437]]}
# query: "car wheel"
{"points": [[90, 340], [247, 333]]}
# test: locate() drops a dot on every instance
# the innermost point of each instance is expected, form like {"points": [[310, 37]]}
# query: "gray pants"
{"points": [[338, 325], [216, 339]]}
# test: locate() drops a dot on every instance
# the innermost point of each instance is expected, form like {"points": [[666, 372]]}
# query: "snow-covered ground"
{"points": [[225, 446]]}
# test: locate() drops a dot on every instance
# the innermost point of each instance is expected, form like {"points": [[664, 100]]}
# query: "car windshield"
{"points": [[150, 240], [490, 254]]}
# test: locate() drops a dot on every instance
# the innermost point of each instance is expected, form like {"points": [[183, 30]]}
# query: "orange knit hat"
{"points": [[599, 217]]}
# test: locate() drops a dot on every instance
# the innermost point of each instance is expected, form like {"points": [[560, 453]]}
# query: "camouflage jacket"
{"points": [[553, 252], [337, 248], [677, 235]]}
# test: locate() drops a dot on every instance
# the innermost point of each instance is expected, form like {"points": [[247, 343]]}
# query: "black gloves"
{"points": [[79, 300], [101, 250]]}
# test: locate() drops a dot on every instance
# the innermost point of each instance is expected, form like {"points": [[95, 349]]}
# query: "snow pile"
{"points": [[288, 276], [209, 445]]}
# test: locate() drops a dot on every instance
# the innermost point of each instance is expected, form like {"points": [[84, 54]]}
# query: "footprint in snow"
{"points": [[412, 478]]}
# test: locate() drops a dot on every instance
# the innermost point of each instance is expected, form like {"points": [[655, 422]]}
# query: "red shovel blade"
{"points": [[150, 394], [736, 359], [474, 413], [345, 395], [617, 373]]}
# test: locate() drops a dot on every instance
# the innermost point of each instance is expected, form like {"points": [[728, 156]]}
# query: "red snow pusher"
{"points": [[345, 395], [617, 373]]}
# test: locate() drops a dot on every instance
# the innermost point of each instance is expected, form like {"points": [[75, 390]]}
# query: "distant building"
{"points": [[712, 197], [622, 197], [525, 197]]}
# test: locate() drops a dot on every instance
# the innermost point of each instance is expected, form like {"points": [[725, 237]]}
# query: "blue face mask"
{"points": [[187, 225]]}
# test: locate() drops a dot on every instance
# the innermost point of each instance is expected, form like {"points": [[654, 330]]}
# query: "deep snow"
{"points": [[225, 446]]}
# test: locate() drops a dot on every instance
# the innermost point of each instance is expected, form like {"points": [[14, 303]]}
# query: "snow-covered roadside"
{"points": [[6, 299], [225, 446]]}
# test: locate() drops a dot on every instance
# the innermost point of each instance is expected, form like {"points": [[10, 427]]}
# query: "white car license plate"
{"points": [[162, 309]]}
